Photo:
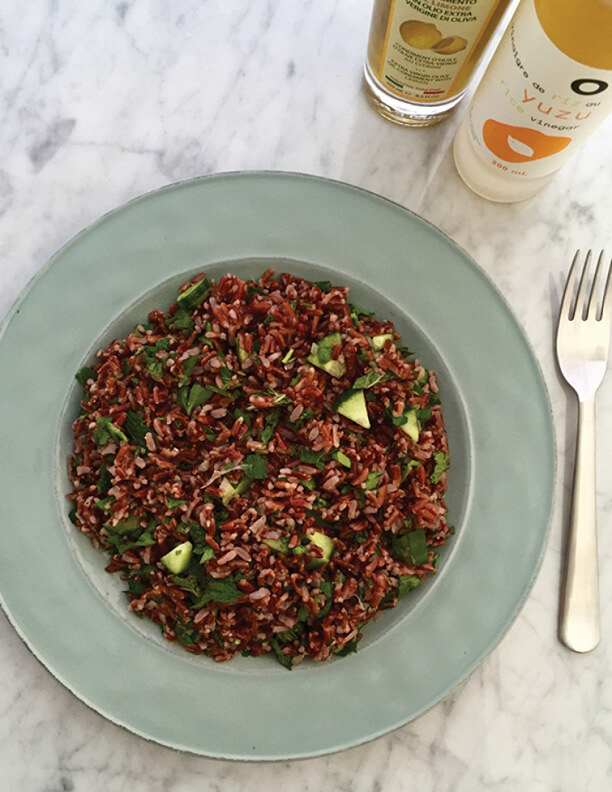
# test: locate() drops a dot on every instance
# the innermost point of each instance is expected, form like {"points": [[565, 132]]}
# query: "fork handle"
{"points": [[579, 623]]}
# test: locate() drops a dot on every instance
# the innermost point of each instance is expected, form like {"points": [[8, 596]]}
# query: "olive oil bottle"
{"points": [[548, 86], [423, 53]]}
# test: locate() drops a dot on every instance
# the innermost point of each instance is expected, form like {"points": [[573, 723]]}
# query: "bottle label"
{"points": [[535, 106], [427, 43]]}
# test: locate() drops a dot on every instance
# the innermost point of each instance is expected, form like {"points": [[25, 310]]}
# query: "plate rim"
{"points": [[519, 604]]}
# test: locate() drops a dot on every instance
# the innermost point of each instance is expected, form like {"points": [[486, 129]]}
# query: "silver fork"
{"points": [[583, 340]]}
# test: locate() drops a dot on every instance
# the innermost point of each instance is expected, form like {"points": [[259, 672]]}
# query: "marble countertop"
{"points": [[104, 101]]}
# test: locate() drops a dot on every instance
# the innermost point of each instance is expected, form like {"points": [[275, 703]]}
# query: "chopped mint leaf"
{"points": [[188, 583], [410, 466], [104, 482], [136, 428], [189, 364], [85, 374], [155, 367], [105, 503], [106, 431], [325, 286], [347, 649], [318, 519], [360, 311], [181, 320], [370, 379], [185, 634], [226, 376], [271, 420], [173, 503], [221, 591], [190, 397], [312, 457], [279, 398], [254, 466], [282, 658], [411, 547], [423, 414]]}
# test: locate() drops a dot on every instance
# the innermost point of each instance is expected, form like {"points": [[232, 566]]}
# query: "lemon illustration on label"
{"points": [[520, 144], [450, 45], [420, 35]]}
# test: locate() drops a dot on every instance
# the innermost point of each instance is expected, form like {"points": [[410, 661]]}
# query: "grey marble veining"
{"points": [[104, 101]]}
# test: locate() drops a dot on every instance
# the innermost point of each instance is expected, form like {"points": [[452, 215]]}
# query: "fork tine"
{"points": [[606, 303], [570, 287], [581, 297], [593, 302]]}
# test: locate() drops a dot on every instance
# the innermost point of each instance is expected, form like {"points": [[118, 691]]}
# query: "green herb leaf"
{"points": [[105, 503], [318, 519], [254, 466], [72, 515], [282, 658], [370, 379], [410, 466], [188, 583], [190, 397], [155, 367], [85, 374], [173, 503], [271, 420], [185, 634], [116, 534], [288, 356], [198, 535], [104, 482], [181, 320], [287, 636], [309, 484], [226, 376], [442, 461], [312, 457], [106, 431], [423, 414], [279, 398], [189, 364], [221, 591], [360, 311], [328, 589], [411, 547], [136, 428], [347, 649], [325, 286]]}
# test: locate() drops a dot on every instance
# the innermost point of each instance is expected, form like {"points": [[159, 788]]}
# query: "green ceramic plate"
{"points": [[72, 614]]}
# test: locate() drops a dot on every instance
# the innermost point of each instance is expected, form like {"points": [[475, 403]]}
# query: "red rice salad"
{"points": [[265, 465]]}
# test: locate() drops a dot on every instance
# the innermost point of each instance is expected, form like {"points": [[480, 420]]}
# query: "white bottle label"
{"points": [[427, 43], [535, 106]]}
